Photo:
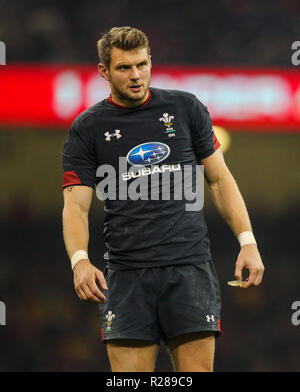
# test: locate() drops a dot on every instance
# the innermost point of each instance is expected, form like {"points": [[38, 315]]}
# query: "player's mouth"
{"points": [[136, 88]]}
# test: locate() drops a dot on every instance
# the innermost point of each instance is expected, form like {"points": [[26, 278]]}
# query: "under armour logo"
{"points": [[210, 317], [108, 135]]}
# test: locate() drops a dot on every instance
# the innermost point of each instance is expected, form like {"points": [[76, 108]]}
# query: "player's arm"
{"points": [[77, 202], [229, 202]]}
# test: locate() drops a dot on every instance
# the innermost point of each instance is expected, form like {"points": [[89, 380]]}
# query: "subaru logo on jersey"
{"points": [[148, 154]]}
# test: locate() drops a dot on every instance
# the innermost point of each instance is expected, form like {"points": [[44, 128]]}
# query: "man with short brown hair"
{"points": [[125, 38], [160, 281]]}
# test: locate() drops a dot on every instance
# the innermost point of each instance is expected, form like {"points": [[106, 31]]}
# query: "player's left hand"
{"points": [[249, 258]]}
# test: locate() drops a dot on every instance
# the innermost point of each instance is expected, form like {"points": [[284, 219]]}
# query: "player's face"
{"points": [[128, 76]]}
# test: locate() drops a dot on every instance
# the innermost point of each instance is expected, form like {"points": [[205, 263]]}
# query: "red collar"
{"points": [[125, 107]]}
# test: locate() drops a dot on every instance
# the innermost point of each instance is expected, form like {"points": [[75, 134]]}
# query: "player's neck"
{"points": [[117, 101]]}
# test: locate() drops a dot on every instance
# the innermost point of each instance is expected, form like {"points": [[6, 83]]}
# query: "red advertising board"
{"points": [[238, 99]]}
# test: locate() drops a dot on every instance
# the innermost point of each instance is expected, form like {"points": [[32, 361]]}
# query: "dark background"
{"points": [[48, 328]]}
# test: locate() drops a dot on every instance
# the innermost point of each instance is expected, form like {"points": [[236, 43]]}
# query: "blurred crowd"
{"points": [[219, 32]]}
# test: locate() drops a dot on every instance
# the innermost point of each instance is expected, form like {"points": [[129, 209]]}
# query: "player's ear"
{"points": [[150, 62], [103, 71]]}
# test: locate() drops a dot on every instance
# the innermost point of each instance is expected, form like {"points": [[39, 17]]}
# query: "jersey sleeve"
{"points": [[204, 139], [79, 157]]}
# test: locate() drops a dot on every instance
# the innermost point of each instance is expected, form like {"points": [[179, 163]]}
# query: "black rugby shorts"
{"points": [[160, 303]]}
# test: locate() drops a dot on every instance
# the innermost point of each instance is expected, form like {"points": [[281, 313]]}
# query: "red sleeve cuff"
{"points": [[216, 142], [70, 178]]}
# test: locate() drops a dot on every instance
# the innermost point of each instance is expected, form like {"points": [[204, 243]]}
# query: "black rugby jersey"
{"points": [[170, 131]]}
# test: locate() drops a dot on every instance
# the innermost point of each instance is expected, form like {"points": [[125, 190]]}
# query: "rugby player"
{"points": [[159, 282]]}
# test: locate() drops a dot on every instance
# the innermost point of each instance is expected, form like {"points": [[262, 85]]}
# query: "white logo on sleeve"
{"points": [[108, 135], [210, 317]]}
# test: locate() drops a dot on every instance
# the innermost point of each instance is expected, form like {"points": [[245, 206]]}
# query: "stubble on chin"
{"points": [[124, 96]]}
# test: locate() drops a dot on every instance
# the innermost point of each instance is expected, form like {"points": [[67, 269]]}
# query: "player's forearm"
{"points": [[230, 204], [75, 229]]}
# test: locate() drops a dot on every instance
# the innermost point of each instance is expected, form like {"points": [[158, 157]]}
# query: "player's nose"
{"points": [[135, 74]]}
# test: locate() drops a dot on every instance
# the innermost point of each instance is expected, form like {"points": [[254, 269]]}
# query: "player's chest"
{"points": [[144, 140]]}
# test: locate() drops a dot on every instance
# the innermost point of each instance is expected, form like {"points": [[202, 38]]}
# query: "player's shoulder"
{"points": [[177, 95], [87, 118]]}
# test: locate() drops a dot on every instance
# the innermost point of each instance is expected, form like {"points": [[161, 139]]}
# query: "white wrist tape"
{"points": [[246, 238], [77, 256]]}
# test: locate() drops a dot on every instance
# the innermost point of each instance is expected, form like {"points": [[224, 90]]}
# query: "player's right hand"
{"points": [[85, 277]]}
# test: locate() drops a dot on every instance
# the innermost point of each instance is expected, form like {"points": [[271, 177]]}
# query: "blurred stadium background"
{"points": [[236, 57]]}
